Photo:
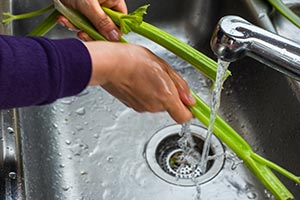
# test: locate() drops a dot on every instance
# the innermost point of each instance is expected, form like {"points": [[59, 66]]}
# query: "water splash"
{"points": [[188, 145], [80, 111], [190, 155], [10, 130]]}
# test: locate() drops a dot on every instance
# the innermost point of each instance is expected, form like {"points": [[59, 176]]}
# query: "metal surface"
{"points": [[235, 37], [11, 187], [90, 146], [162, 152]]}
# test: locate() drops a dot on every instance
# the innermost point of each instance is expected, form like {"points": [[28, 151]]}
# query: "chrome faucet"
{"points": [[234, 38]]}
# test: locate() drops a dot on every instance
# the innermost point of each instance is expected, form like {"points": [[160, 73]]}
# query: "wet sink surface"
{"points": [[91, 146]]}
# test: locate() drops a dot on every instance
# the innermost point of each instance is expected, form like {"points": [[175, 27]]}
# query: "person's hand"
{"points": [[139, 79], [93, 11]]}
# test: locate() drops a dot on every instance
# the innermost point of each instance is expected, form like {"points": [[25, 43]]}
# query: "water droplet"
{"points": [[83, 93], [68, 142], [110, 159], [83, 173], [251, 195], [55, 125], [80, 111], [84, 146], [10, 130], [12, 175], [79, 128], [268, 195], [66, 101], [65, 187], [96, 135]]}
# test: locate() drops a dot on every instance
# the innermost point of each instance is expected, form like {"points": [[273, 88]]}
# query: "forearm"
{"points": [[35, 71]]}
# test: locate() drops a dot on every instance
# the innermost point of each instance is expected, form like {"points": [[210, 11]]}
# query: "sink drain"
{"points": [[163, 156]]}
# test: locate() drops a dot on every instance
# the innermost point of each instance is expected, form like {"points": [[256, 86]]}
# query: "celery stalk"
{"points": [[285, 11], [9, 17], [45, 25]]}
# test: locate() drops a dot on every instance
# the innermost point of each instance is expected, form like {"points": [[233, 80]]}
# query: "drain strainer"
{"points": [[164, 156]]}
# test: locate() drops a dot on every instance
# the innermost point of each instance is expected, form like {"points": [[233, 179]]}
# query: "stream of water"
{"points": [[187, 143], [214, 107]]}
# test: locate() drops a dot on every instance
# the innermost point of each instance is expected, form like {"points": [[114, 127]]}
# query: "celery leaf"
{"points": [[133, 19]]}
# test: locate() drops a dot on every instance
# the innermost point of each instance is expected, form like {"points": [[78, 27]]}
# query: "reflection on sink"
{"points": [[91, 146]]}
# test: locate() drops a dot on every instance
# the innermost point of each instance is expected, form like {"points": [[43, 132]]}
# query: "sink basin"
{"points": [[91, 146]]}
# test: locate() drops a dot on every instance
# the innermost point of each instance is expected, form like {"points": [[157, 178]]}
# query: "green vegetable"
{"points": [[45, 25], [261, 167], [285, 11], [9, 17]]}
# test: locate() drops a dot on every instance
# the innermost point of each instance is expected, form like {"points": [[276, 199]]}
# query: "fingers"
{"points": [[181, 85], [66, 23], [84, 36], [93, 11], [178, 111], [182, 88], [100, 20], [176, 106]]}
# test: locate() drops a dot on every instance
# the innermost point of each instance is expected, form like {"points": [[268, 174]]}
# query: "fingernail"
{"points": [[191, 99], [114, 35]]}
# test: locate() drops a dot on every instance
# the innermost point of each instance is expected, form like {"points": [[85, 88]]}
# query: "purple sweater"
{"points": [[37, 70]]}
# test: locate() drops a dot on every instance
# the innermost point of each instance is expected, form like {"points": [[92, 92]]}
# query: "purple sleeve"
{"points": [[37, 70]]}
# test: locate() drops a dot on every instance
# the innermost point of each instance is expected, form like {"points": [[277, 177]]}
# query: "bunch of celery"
{"points": [[261, 167]]}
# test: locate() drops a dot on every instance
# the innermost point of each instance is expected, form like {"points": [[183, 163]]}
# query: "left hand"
{"points": [[93, 11]]}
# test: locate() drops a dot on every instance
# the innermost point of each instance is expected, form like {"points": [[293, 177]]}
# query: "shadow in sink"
{"points": [[91, 146]]}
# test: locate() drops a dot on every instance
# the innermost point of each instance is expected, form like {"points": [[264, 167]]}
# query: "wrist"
{"points": [[102, 60]]}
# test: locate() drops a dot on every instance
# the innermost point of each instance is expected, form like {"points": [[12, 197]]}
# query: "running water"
{"points": [[214, 107], [188, 146], [190, 155], [186, 142]]}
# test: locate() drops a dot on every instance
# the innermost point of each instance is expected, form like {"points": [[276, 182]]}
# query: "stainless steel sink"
{"points": [[91, 146]]}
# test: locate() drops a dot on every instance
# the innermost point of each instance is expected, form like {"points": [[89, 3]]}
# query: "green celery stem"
{"points": [[285, 11], [11, 17], [46, 25]]}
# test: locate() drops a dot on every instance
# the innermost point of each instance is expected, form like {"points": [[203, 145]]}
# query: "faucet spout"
{"points": [[234, 38]]}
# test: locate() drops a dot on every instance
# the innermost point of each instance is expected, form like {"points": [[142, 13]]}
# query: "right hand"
{"points": [[139, 79]]}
